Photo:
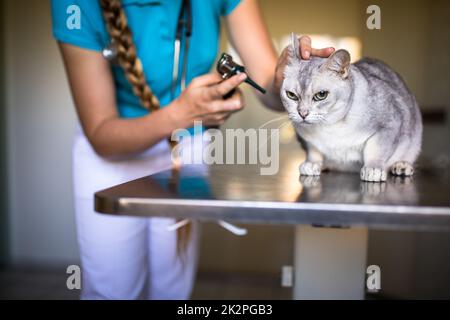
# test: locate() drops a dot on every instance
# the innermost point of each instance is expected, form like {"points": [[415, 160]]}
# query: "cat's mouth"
{"points": [[305, 122], [301, 121]]}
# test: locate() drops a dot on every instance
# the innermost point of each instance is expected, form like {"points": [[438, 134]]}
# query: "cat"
{"points": [[357, 117]]}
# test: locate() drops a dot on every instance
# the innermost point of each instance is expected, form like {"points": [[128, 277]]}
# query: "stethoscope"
{"points": [[184, 22]]}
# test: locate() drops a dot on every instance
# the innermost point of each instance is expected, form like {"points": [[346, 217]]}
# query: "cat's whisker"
{"points": [[284, 124], [273, 120], [270, 137]]}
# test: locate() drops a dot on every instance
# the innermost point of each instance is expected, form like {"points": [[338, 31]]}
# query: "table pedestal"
{"points": [[330, 263]]}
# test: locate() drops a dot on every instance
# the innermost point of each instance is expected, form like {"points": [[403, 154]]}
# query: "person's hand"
{"points": [[306, 51], [203, 100]]}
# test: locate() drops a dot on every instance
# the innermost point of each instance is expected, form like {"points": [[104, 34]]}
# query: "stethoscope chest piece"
{"points": [[110, 52]]}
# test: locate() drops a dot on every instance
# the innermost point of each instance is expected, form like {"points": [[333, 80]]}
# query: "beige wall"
{"points": [[402, 40], [415, 40], [40, 122], [4, 232], [438, 63], [339, 18]]}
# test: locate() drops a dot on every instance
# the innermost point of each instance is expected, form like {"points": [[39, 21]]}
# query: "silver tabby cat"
{"points": [[352, 117]]}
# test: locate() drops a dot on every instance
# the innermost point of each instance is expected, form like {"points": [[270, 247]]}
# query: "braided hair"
{"points": [[121, 37]]}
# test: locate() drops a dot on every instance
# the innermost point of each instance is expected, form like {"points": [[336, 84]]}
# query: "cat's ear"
{"points": [[294, 49], [339, 62]]}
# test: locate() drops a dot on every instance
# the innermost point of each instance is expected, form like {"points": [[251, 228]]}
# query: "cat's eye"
{"points": [[321, 95], [291, 95]]}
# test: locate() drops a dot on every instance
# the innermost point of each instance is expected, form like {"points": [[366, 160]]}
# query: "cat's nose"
{"points": [[303, 113]]}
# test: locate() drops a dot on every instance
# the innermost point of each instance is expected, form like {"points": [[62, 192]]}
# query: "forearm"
{"points": [[272, 98], [249, 35], [120, 137]]}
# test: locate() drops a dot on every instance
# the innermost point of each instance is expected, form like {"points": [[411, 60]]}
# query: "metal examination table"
{"points": [[331, 213]]}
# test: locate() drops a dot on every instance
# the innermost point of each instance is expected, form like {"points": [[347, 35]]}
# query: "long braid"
{"points": [[120, 33], [121, 36]]}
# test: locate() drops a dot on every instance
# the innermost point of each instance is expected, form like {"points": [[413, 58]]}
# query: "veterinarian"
{"points": [[138, 70]]}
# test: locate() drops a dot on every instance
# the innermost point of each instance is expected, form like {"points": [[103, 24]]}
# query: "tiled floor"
{"points": [[50, 283]]}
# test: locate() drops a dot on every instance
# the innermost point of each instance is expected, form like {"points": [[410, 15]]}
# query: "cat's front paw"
{"points": [[402, 168], [310, 182], [373, 174], [310, 168]]}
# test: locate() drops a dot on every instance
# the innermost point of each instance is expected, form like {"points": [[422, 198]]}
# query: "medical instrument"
{"points": [[227, 68]]}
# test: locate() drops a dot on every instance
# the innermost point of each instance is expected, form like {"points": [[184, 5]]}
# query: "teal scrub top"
{"points": [[153, 25]]}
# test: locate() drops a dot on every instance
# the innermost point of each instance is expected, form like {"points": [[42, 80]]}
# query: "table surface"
{"points": [[239, 193]]}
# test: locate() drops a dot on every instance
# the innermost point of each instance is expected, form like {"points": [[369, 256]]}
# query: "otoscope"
{"points": [[227, 68]]}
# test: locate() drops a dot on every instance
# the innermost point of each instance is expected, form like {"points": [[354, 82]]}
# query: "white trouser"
{"points": [[127, 257]]}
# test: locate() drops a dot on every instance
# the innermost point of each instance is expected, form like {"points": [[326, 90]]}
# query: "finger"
{"points": [[283, 59], [231, 104], [237, 95], [211, 122], [284, 56], [218, 118], [206, 80], [324, 53], [222, 116], [227, 115], [305, 47], [221, 89]]}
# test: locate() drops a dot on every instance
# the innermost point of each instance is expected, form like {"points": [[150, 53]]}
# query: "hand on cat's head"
{"points": [[305, 51]]}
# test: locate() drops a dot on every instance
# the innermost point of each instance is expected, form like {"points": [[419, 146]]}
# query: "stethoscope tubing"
{"points": [[184, 22]]}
